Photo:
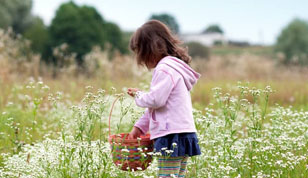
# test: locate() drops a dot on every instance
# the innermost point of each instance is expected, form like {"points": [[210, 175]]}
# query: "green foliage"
{"points": [[6, 18], [196, 49], [79, 27], [169, 20], [37, 33], [126, 37], [16, 14], [213, 29], [293, 42], [262, 51], [82, 28], [115, 38], [218, 43]]}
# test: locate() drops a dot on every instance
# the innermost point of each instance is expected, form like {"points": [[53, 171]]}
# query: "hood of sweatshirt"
{"points": [[189, 75]]}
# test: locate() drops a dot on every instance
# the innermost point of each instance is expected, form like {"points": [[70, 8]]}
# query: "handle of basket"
{"points": [[118, 97]]}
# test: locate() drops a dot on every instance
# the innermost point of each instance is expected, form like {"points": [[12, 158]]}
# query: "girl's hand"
{"points": [[135, 133], [132, 91]]}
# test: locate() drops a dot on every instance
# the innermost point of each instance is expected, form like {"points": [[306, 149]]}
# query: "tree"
{"points": [[196, 49], [37, 33], [167, 19], [16, 14], [213, 29], [79, 27], [293, 42], [115, 38], [126, 39]]}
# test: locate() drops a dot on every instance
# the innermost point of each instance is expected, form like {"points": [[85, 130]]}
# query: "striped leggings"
{"points": [[172, 166]]}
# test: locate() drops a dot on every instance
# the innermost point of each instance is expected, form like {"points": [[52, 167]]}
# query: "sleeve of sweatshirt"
{"points": [[161, 87], [144, 122]]}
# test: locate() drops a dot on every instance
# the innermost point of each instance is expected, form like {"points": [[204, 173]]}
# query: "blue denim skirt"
{"points": [[180, 144]]}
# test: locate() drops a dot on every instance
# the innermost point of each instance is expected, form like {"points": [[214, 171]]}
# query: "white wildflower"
{"points": [[125, 150]]}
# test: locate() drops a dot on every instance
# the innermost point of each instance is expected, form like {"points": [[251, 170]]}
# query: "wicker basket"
{"points": [[130, 154]]}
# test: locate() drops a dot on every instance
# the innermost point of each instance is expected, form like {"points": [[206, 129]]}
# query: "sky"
{"points": [[255, 21]]}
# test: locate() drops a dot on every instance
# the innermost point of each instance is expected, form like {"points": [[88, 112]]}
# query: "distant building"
{"points": [[207, 39]]}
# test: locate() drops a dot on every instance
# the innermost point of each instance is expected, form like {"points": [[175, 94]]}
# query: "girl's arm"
{"points": [[143, 122], [161, 87]]}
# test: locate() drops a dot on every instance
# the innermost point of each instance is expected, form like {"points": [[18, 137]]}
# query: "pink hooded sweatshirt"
{"points": [[168, 103]]}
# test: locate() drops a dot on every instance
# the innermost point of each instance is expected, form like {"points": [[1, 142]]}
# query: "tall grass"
{"points": [[253, 64], [240, 136]]}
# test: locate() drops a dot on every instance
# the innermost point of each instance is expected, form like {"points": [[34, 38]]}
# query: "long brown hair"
{"points": [[153, 41]]}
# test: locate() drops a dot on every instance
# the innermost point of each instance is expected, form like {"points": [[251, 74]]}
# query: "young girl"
{"points": [[168, 114]]}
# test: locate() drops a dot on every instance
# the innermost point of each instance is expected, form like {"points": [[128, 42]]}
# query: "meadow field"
{"points": [[251, 114]]}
